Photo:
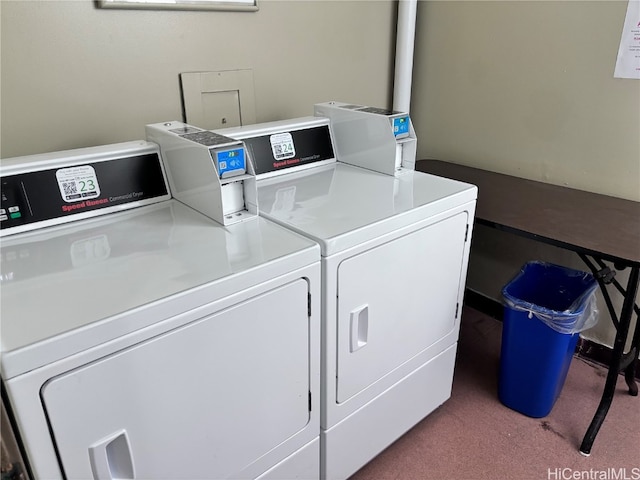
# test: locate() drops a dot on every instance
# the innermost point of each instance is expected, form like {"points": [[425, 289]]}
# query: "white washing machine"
{"points": [[394, 247], [148, 341]]}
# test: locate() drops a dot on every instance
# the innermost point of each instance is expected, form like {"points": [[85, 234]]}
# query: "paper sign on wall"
{"points": [[628, 62]]}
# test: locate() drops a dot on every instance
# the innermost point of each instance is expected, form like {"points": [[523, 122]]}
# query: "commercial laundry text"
{"points": [[286, 163], [100, 201]]}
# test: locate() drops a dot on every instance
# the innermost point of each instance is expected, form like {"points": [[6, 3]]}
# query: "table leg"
{"points": [[630, 370], [629, 376], [614, 366]]}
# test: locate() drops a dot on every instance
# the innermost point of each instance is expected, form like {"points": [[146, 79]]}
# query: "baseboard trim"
{"points": [[587, 349], [597, 353], [482, 303]]}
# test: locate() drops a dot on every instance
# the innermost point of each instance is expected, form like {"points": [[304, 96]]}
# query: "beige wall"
{"points": [[74, 75], [527, 89]]}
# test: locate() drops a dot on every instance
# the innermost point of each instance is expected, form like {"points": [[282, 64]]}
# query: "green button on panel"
{"points": [[15, 215]]}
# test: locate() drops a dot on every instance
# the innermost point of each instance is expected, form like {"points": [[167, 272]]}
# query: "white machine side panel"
{"points": [[202, 401], [396, 300]]}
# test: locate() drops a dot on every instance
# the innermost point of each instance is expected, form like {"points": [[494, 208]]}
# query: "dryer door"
{"points": [[395, 301], [202, 401]]}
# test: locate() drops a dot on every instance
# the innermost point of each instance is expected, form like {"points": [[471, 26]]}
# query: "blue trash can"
{"points": [[546, 306]]}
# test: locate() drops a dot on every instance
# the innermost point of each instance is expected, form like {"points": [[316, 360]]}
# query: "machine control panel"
{"points": [[290, 148], [375, 138], [13, 205], [399, 120], [229, 162], [208, 171], [57, 194], [401, 126]]}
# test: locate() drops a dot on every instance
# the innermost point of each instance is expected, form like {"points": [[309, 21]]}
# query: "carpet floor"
{"points": [[473, 436]]}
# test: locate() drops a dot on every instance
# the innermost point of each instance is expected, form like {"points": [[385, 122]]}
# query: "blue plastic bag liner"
{"points": [[562, 298]]}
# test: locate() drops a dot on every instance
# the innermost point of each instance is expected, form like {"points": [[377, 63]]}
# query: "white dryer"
{"points": [[394, 261], [152, 342]]}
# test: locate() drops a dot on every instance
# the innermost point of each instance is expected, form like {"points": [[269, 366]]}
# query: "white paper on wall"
{"points": [[628, 62]]}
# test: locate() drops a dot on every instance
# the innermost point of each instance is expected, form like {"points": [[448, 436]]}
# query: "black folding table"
{"points": [[597, 227]]}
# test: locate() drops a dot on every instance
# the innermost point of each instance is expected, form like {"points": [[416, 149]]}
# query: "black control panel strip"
{"points": [[284, 150], [56, 193]]}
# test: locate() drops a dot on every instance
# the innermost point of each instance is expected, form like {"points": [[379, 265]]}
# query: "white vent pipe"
{"points": [[405, 37]]}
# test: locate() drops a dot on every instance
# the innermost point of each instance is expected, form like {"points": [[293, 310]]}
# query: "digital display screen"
{"points": [[401, 126], [231, 162]]}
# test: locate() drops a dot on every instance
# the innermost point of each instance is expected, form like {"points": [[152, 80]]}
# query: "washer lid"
{"points": [[68, 288], [341, 206]]}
